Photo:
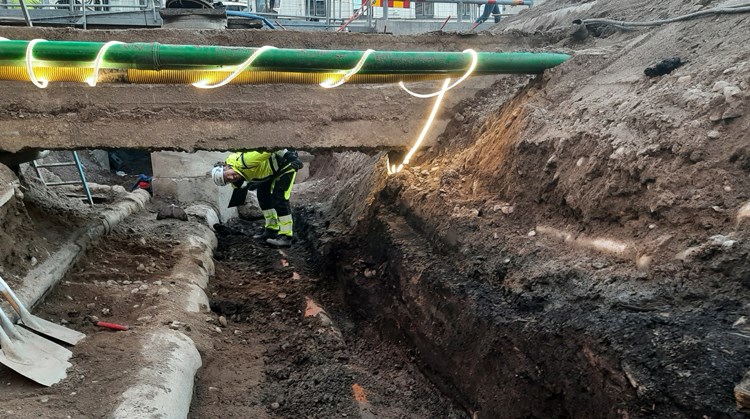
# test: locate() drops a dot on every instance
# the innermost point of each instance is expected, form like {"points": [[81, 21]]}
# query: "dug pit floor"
{"points": [[276, 359], [267, 351]]}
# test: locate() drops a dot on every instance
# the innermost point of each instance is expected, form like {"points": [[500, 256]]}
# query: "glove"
{"points": [[296, 164]]}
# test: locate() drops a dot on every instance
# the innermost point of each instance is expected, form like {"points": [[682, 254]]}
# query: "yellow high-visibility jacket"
{"points": [[256, 165]]}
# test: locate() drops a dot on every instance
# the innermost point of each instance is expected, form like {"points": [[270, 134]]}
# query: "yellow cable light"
{"points": [[440, 94], [474, 61], [204, 84], [329, 84], [423, 134], [41, 83], [91, 81]]}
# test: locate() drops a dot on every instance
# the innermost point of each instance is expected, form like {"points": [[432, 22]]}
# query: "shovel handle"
{"points": [[113, 326], [14, 301], [11, 301]]}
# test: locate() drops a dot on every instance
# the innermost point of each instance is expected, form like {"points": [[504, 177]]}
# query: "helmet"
{"points": [[280, 154], [217, 173]]}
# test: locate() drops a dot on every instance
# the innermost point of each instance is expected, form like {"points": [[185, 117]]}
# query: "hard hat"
{"points": [[217, 173], [280, 153]]}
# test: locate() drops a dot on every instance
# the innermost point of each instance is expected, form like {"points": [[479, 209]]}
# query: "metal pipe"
{"points": [[83, 178], [251, 16], [445, 22], [25, 13], [370, 10], [327, 4], [355, 16], [83, 7], [155, 56]]}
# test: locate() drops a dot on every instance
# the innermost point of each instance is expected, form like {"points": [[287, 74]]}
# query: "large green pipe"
{"points": [[155, 56]]}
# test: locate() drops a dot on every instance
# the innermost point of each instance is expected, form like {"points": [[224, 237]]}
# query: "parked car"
{"points": [[236, 6]]}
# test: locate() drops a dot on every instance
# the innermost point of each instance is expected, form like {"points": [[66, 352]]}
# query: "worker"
{"points": [[489, 10], [272, 174]]}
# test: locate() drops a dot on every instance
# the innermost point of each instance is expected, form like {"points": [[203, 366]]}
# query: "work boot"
{"points": [[266, 234], [280, 241]]}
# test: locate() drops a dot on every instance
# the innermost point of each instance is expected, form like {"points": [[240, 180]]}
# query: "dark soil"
{"points": [[274, 362]]}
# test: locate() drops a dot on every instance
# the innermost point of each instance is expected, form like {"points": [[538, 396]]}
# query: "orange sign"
{"points": [[405, 4]]}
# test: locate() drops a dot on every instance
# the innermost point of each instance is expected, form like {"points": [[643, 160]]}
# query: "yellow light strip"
{"points": [[474, 61], [423, 134], [91, 81], [203, 84], [329, 84], [41, 83], [440, 94]]}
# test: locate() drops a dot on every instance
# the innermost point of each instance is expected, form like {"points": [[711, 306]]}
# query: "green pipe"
{"points": [[155, 56]]}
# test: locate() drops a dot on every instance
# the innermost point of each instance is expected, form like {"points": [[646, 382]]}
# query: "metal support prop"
{"points": [[83, 11], [328, 12], [25, 13], [83, 178], [370, 10]]}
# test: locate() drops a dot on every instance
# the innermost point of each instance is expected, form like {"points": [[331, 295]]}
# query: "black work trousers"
{"points": [[273, 195]]}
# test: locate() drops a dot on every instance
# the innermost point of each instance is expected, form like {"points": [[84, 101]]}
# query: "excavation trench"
{"points": [[402, 334], [288, 347], [485, 347], [510, 332]]}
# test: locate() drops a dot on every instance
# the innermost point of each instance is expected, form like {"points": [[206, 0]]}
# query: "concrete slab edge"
{"points": [[206, 213], [194, 267], [165, 387], [5, 197]]}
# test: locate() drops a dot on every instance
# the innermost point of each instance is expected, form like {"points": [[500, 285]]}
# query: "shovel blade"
{"points": [[38, 324], [45, 327], [36, 365], [46, 346]]}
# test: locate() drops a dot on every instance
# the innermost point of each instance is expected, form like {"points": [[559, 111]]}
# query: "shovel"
{"points": [[38, 324], [22, 337], [28, 360]]}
